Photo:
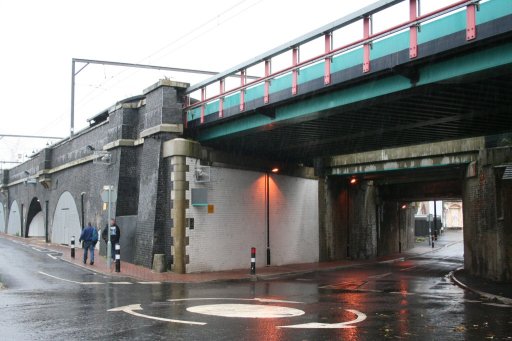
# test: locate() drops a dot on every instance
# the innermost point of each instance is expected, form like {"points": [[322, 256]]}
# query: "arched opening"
{"points": [[35, 220], [14, 223], [66, 220], [2, 218]]}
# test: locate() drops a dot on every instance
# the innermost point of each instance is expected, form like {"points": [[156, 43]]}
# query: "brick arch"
{"points": [[66, 220], [14, 223], [35, 220], [3, 221]]}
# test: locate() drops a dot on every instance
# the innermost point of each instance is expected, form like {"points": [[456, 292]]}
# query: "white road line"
{"points": [[149, 282], [264, 300], [409, 268], [51, 256], [70, 281], [130, 309], [402, 293], [393, 260], [121, 283], [381, 275], [498, 305], [59, 278]]}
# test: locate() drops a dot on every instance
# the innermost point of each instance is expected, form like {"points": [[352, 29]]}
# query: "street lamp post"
{"points": [[108, 195], [109, 243]]}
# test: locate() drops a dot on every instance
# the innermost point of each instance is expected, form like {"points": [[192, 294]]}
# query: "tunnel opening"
{"points": [[35, 220], [379, 214]]}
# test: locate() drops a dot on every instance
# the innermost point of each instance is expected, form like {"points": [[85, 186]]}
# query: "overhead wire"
{"points": [[91, 95]]}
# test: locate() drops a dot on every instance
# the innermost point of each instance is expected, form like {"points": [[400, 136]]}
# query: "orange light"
{"points": [[404, 206], [353, 181], [275, 170]]}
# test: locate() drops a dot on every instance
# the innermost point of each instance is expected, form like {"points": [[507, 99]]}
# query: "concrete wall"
{"points": [[223, 235]]}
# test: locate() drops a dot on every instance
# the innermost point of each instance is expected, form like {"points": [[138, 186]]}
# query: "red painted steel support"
{"points": [[242, 91], [328, 48], [365, 42], [221, 99], [413, 30], [366, 47], [266, 97], [295, 72], [203, 97], [471, 22]]}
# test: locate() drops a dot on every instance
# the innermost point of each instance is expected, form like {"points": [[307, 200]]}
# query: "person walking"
{"points": [[115, 236], [89, 236]]}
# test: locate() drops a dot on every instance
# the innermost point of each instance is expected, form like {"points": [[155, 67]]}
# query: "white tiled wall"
{"points": [[222, 240]]}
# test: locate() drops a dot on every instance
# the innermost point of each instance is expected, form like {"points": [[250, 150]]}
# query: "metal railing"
{"points": [[368, 37]]}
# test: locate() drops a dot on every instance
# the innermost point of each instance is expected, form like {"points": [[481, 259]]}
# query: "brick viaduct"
{"points": [[299, 215]]}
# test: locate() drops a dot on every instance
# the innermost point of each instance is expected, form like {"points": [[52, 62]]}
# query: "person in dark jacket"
{"points": [[115, 236], [89, 236]]}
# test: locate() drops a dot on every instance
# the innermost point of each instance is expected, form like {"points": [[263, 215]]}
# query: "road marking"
{"points": [[149, 282], [59, 278], [381, 275], [345, 287], [393, 260], [409, 268], [263, 300], [498, 305], [246, 310], [81, 283], [130, 309], [317, 325]]}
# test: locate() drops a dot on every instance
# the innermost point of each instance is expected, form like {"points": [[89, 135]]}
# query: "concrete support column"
{"points": [[178, 212], [178, 150]]}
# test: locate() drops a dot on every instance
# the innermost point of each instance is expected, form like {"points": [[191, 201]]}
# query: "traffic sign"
{"points": [[104, 194]]}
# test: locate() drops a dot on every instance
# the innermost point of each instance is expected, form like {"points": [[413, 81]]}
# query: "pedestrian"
{"points": [[115, 236], [89, 236]]}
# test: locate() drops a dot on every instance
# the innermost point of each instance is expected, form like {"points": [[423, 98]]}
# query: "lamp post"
{"points": [[109, 243], [267, 199], [109, 195]]}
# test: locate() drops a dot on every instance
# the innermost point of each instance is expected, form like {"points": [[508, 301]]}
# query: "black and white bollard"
{"points": [[72, 246], [253, 261], [118, 257]]}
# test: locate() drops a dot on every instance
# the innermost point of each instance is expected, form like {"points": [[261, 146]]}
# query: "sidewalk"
{"points": [[490, 290]]}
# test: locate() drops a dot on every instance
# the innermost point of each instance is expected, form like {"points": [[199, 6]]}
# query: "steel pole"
{"points": [[109, 243], [72, 128]]}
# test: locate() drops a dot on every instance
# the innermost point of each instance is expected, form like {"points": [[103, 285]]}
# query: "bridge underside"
{"points": [[474, 105]]}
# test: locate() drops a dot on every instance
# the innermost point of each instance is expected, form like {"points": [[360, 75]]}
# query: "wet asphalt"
{"points": [[47, 299]]}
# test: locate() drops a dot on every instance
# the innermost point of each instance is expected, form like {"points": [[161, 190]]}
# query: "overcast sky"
{"points": [[40, 38]]}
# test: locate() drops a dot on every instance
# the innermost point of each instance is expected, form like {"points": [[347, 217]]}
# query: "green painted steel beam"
{"points": [[430, 31], [485, 59]]}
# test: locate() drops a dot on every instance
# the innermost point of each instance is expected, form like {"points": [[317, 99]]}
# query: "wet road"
{"points": [[48, 299]]}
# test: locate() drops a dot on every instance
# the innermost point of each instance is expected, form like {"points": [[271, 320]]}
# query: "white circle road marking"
{"points": [[318, 325], [263, 300], [245, 310]]}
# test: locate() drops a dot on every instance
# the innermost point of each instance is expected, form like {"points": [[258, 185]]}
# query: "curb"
{"points": [[486, 295]]}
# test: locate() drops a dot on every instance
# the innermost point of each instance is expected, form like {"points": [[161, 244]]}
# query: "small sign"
{"points": [[104, 194], [211, 209]]}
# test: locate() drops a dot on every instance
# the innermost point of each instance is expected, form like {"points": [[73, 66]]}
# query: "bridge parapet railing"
{"points": [[263, 91]]}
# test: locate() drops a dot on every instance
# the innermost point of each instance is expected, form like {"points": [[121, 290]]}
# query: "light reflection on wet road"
{"points": [[47, 299]]}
